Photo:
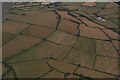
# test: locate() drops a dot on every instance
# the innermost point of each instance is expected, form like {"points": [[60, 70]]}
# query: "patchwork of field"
{"points": [[61, 40]]}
